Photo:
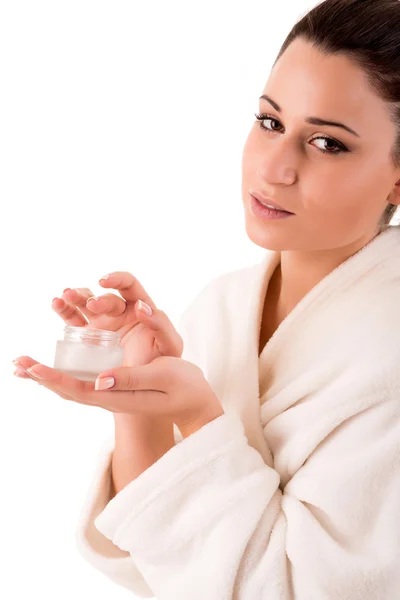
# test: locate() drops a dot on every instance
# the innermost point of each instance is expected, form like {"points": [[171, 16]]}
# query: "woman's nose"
{"points": [[278, 165]]}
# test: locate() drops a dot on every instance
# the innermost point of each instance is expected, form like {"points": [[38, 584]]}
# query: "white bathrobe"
{"points": [[293, 493]]}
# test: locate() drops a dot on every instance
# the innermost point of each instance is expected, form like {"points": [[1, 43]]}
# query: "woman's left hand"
{"points": [[167, 386]]}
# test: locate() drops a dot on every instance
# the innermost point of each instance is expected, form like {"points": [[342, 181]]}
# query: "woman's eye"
{"points": [[339, 147], [263, 118], [327, 140]]}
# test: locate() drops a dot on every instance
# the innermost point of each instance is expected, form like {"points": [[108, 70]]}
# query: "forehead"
{"points": [[304, 82]]}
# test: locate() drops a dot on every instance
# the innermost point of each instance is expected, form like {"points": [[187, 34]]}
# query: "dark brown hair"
{"points": [[368, 33]]}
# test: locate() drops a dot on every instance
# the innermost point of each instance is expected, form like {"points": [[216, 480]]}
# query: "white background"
{"points": [[122, 126]]}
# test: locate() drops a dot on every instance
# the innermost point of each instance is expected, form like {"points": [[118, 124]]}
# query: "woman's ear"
{"points": [[394, 196]]}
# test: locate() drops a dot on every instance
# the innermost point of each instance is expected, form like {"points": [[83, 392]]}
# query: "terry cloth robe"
{"points": [[294, 492]]}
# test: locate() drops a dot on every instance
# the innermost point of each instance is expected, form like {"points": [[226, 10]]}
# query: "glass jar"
{"points": [[84, 353]]}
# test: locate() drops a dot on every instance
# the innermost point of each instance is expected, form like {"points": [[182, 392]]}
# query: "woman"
{"points": [[292, 490]]}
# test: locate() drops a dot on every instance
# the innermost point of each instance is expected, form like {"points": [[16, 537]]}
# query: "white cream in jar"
{"points": [[86, 352]]}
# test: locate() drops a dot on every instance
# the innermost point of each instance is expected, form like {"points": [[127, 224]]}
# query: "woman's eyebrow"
{"points": [[312, 120]]}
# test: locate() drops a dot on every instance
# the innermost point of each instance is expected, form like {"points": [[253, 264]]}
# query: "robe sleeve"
{"points": [[100, 552], [94, 547], [209, 520]]}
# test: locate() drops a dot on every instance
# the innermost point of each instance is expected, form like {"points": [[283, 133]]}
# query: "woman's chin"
{"points": [[267, 236]]}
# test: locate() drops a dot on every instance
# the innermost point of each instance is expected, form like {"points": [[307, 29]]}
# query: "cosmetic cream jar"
{"points": [[84, 353]]}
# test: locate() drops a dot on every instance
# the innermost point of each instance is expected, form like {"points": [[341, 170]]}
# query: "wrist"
{"points": [[142, 429]]}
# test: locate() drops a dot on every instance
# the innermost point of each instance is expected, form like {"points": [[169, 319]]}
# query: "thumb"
{"points": [[156, 376], [168, 339]]}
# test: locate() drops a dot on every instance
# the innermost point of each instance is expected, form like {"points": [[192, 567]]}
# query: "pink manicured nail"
{"points": [[32, 372], [104, 383], [19, 371], [144, 308]]}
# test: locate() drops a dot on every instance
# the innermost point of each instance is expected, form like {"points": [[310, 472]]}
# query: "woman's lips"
{"points": [[263, 212], [263, 199]]}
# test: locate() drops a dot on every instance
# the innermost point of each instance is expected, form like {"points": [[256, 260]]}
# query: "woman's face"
{"points": [[339, 196]]}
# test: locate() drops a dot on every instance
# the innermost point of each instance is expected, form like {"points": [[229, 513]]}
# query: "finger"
{"points": [[159, 376], [21, 373], [62, 383], [23, 363], [123, 393], [128, 286], [77, 298], [69, 314], [109, 304], [168, 339]]}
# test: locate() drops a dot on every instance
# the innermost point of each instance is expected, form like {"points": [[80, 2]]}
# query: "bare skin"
{"points": [[271, 318], [338, 197]]}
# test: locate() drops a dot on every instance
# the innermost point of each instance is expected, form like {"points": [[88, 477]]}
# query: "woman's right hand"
{"points": [[143, 337]]}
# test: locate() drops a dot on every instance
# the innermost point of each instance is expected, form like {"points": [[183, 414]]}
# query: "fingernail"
{"points": [[15, 361], [104, 383], [32, 372], [105, 277], [91, 298], [66, 290], [19, 371], [144, 308]]}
